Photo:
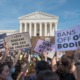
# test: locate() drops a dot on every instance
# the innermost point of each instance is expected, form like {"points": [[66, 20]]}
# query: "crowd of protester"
{"points": [[20, 65]]}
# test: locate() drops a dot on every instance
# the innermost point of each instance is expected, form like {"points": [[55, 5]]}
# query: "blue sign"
{"points": [[2, 36]]}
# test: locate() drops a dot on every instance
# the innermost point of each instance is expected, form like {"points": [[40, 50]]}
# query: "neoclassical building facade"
{"points": [[39, 24]]}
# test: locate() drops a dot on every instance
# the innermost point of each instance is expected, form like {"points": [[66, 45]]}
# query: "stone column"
{"points": [[53, 30], [40, 29], [20, 27], [45, 29], [25, 27], [34, 29], [56, 26], [50, 29], [30, 28]]}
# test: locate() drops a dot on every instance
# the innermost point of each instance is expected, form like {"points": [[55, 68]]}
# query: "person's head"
{"points": [[34, 59], [70, 53], [4, 71], [64, 67], [47, 75], [42, 65], [66, 60], [66, 64]]}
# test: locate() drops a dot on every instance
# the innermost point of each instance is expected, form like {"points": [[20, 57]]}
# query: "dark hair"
{"points": [[34, 58], [47, 75], [64, 67], [2, 66], [42, 65], [66, 61]]}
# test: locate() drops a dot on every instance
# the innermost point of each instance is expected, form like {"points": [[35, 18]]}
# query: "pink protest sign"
{"points": [[42, 46]]}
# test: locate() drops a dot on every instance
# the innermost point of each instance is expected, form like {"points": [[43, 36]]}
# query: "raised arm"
{"points": [[5, 53], [54, 64], [16, 58]]}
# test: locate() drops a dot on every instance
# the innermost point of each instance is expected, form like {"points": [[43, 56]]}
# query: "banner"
{"points": [[2, 36], [18, 41], [44, 46], [67, 39]]}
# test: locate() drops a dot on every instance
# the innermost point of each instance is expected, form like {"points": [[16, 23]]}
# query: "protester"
{"points": [[40, 66], [4, 71], [77, 62], [64, 69], [19, 65], [47, 75]]}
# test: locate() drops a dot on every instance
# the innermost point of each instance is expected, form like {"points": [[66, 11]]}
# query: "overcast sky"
{"points": [[67, 10]]}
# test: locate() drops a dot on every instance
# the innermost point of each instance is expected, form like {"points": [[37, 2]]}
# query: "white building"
{"points": [[37, 24], [9, 32]]}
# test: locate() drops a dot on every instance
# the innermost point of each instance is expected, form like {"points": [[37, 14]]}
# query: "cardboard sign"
{"points": [[44, 46], [51, 54], [67, 39], [60, 54], [2, 36], [47, 39], [18, 41]]}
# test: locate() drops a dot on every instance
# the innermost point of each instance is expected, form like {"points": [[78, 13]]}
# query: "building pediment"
{"points": [[38, 15]]}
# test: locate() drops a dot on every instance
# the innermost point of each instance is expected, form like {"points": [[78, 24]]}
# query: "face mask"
{"points": [[12, 70]]}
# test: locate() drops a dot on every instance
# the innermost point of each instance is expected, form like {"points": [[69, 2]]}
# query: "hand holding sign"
{"points": [[6, 46]]}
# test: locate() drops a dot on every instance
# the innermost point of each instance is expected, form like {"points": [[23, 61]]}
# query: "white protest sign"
{"points": [[51, 54], [67, 39], [47, 39], [44, 46], [60, 54], [18, 41]]}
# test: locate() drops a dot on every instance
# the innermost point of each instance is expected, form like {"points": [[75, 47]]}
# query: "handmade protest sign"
{"points": [[18, 41], [42, 46], [2, 36], [51, 54], [47, 39], [60, 54], [67, 39]]}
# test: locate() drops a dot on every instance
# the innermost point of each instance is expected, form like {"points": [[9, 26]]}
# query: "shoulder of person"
{"points": [[32, 77]]}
